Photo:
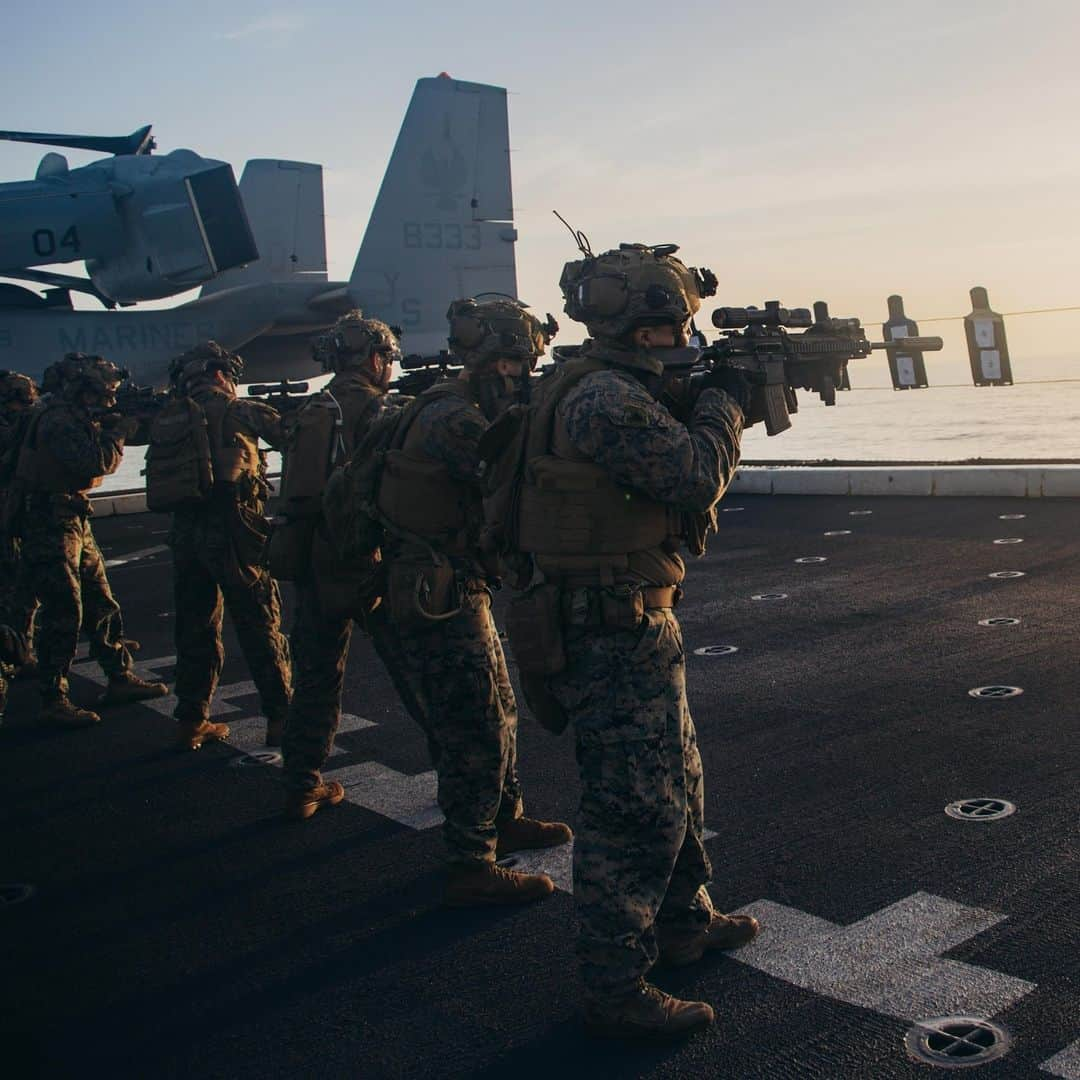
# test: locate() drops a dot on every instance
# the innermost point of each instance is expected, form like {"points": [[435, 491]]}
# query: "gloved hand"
{"points": [[734, 383], [123, 427]]}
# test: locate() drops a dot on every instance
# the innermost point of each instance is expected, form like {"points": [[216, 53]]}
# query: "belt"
{"points": [[661, 596], [616, 606]]}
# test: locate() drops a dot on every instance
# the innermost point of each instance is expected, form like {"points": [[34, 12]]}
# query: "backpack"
{"points": [[350, 500], [312, 448], [179, 465]]}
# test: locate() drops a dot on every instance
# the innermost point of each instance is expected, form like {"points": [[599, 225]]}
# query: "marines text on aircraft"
{"points": [[153, 226]]}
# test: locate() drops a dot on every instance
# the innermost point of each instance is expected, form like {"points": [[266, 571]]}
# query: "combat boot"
{"points": [[126, 687], [647, 1013], [479, 883], [191, 734], [525, 833], [303, 804], [61, 711], [678, 948]]}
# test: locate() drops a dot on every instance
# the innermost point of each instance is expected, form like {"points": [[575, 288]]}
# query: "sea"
{"points": [[951, 421]]}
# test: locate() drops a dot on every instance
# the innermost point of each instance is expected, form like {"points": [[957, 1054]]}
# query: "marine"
{"points": [[331, 597], [71, 441], [218, 539], [611, 484], [438, 596], [18, 394]]}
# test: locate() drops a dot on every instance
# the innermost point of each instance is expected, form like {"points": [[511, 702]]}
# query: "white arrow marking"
{"points": [[889, 962], [408, 800], [1066, 1064]]}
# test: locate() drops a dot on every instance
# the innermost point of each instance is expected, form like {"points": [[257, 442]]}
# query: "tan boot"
{"points": [[647, 1013], [478, 883], [127, 687], [61, 711], [723, 932], [525, 833], [303, 804], [190, 735]]}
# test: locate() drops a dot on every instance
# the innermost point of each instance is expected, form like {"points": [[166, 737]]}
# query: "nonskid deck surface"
{"points": [[180, 928]]}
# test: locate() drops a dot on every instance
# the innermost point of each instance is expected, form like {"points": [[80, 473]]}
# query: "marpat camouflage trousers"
{"points": [[460, 673], [320, 649], [61, 558], [204, 585], [639, 855], [18, 601]]}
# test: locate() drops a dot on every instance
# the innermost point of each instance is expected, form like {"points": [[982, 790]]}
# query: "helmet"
{"points": [[486, 330], [17, 392], [633, 285], [78, 373], [353, 340], [200, 362]]}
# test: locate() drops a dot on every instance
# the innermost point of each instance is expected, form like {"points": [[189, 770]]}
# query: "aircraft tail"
{"points": [[284, 204], [443, 224]]}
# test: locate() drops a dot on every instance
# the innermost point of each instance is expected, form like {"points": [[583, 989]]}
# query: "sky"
{"points": [[839, 151]]}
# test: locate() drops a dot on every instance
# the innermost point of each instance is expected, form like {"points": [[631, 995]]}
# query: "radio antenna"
{"points": [[580, 238]]}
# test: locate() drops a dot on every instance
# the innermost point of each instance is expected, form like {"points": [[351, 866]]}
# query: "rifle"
{"points": [[420, 372], [757, 342], [141, 403], [284, 395]]}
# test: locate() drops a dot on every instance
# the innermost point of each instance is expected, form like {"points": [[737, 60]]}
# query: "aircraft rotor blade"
{"points": [[138, 142]]}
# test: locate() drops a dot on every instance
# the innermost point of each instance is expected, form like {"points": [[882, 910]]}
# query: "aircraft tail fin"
{"points": [[284, 204], [442, 226]]}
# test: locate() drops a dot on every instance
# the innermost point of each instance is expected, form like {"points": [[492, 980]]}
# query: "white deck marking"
{"points": [[248, 733], [135, 556], [408, 800], [889, 962], [556, 862], [1066, 1064]]}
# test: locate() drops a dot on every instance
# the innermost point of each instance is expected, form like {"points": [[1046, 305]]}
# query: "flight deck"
{"points": [[856, 667]]}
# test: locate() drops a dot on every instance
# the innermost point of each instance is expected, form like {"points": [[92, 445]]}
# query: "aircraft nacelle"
{"points": [[146, 226]]}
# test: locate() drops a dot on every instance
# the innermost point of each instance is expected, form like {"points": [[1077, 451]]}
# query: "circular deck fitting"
{"points": [[1000, 620], [995, 693], [812, 559], [859, 513], [980, 809], [956, 1042], [1001, 575], [716, 650], [256, 757], [838, 532], [17, 892], [1010, 540], [769, 596], [1011, 517], [732, 509]]}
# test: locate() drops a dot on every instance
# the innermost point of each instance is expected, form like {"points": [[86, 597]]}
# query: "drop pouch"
{"points": [[422, 593], [534, 627], [288, 553]]}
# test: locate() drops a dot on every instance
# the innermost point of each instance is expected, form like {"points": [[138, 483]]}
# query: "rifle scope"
{"points": [[771, 315]]}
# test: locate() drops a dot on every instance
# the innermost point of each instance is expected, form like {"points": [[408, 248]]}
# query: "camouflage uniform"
{"points": [[639, 858], [458, 664], [320, 639], [18, 601], [216, 548], [59, 552]]}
